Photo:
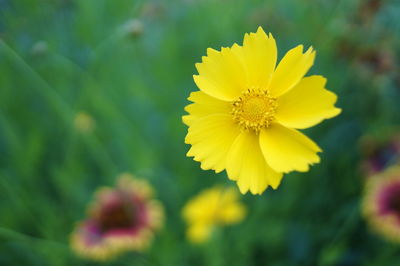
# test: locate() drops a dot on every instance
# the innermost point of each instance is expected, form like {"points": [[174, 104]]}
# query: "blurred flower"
{"points": [[211, 208], [120, 219], [367, 9], [379, 153], [375, 61], [134, 27], [39, 48], [154, 10], [245, 117], [381, 204], [83, 122], [371, 63]]}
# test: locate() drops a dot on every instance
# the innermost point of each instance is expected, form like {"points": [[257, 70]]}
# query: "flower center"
{"points": [[121, 216], [255, 110], [393, 199], [395, 204]]}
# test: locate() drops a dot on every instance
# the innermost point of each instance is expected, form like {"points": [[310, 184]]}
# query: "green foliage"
{"points": [[61, 57]]}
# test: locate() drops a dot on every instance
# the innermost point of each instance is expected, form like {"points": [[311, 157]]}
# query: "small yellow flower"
{"points": [[246, 114], [212, 207], [381, 203], [120, 219], [83, 122]]}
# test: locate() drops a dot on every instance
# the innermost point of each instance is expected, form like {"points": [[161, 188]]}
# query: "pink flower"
{"points": [[381, 203], [120, 219]]}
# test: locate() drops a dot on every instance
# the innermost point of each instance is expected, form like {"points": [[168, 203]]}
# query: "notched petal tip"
{"points": [[312, 53], [321, 78], [299, 48], [245, 185], [306, 167], [235, 46], [243, 190], [204, 166], [258, 191], [197, 66], [337, 111], [191, 95], [270, 36], [185, 119], [275, 187], [187, 107], [259, 34], [197, 79], [276, 182], [211, 51], [260, 29], [224, 50], [218, 170], [333, 113], [187, 141]]}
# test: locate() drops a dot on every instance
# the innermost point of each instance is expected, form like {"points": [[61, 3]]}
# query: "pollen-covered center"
{"points": [[255, 109]]}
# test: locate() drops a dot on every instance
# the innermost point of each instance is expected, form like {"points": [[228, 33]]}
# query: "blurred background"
{"points": [[90, 89]]}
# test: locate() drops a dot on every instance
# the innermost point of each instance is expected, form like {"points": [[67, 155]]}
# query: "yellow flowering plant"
{"points": [[213, 207], [246, 115]]}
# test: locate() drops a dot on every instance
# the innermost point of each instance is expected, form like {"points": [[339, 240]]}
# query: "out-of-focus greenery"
{"points": [[129, 65]]}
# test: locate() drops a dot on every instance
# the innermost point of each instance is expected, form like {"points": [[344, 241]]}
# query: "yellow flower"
{"points": [[246, 114], [381, 203], [83, 122], [212, 207]]}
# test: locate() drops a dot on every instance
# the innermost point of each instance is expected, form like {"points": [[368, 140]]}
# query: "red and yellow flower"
{"points": [[120, 219]]}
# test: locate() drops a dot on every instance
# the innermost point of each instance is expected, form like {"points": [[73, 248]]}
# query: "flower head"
{"points": [[381, 203], [84, 123], [134, 27], [39, 48], [120, 219], [246, 114], [211, 208]]}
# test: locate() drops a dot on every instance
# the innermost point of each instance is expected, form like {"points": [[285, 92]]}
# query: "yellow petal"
{"points": [[215, 206], [188, 119], [221, 75], [231, 209], [291, 69], [287, 149], [203, 207], [199, 232], [307, 104], [211, 138], [204, 105], [246, 165], [258, 56]]}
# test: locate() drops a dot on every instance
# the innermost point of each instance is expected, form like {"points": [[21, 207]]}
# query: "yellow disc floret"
{"points": [[255, 109]]}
